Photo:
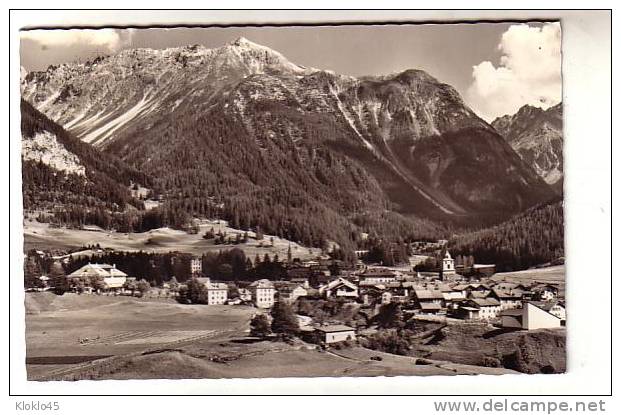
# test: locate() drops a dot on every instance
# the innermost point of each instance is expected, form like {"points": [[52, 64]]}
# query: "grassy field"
{"points": [[554, 274], [41, 236], [74, 337]]}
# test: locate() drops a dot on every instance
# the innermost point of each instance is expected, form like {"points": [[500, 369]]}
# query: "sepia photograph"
{"points": [[352, 200]]}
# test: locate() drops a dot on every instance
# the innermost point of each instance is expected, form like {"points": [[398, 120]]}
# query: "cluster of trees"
{"points": [[533, 238], [326, 310], [225, 265], [284, 324], [385, 252], [233, 264], [75, 215], [155, 268]]}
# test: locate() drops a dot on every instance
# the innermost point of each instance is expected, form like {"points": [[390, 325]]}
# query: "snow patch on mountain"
{"points": [[45, 147], [103, 133]]}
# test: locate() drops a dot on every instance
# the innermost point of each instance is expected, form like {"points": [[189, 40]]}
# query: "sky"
{"points": [[496, 67]]}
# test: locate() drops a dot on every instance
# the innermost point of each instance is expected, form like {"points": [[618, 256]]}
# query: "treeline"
{"points": [[156, 268], [128, 221], [44, 188], [532, 238]]}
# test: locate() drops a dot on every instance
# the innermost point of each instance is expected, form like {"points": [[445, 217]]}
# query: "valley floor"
{"points": [[73, 337]]}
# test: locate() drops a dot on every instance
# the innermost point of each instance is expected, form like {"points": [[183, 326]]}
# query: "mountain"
{"points": [[241, 132], [537, 136], [60, 170]]}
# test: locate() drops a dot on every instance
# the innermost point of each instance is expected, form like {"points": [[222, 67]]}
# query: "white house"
{"points": [[111, 277], [263, 292], [529, 317], [479, 309], [377, 276], [336, 333], [196, 266], [217, 293]]}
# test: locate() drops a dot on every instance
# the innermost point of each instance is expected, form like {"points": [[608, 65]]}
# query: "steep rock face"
{"points": [[59, 170], [537, 136], [403, 142]]}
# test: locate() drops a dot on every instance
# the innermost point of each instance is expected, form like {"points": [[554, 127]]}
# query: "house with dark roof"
{"points": [[509, 299]]}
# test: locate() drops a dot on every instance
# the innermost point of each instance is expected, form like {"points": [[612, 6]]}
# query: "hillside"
{"points": [[59, 169], [239, 132], [532, 238], [537, 136]]}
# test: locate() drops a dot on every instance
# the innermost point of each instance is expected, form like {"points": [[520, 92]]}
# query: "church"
{"points": [[447, 272]]}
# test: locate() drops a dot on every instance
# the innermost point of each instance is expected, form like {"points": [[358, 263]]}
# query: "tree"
{"points": [[284, 321], [390, 316], [196, 292], [260, 326], [143, 286], [174, 284]]}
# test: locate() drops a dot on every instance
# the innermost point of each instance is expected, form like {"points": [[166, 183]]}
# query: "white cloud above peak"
{"points": [[529, 72], [105, 40]]}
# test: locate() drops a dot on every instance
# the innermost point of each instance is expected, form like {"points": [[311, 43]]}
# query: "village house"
{"points": [[291, 292], [509, 299], [196, 266], [340, 288], [217, 292], [371, 294], [336, 333], [429, 301], [108, 277], [529, 317], [479, 309], [377, 276], [556, 308], [263, 293], [545, 292]]}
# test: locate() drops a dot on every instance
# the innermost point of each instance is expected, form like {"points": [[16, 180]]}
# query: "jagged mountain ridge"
{"points": [[537, 136], [408, 137]]}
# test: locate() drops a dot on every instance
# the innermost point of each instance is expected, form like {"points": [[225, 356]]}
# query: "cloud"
{"points": [[102, 40], [529, 72]]}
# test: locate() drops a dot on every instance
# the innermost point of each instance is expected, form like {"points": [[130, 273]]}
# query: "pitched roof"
{"points": [[97, 270], [429, 294], [502, 294], [430, 306], [512, 312], [485, 302], [335, 328]]}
